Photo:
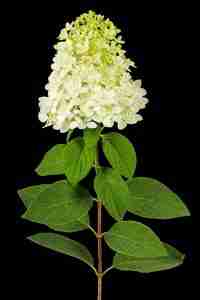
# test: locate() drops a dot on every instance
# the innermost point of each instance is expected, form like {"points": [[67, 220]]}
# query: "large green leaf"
{"points": [[134, 239], [112, 191], [91, 136], [59, 205], [63, 245], [78, 160], [53, 162], [74, 226], [120, 153], [31, 193], [173, 259], [152, 199]]}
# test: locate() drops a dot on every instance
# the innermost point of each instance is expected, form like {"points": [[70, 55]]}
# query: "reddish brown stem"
{"points": [[99, 249]]}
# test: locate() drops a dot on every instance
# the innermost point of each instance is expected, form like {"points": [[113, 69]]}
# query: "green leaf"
{"points": [[112, 191], [31, 193], [120, 153], [173, 259], [134, 239], [63, 245], [91, 136], [79, 160], [152, 199], [74, 226], [53, 162], [59, 205]]}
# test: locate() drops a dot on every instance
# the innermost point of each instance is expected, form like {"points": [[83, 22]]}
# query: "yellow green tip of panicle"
{"points": [[90, 22], [102, 35]]}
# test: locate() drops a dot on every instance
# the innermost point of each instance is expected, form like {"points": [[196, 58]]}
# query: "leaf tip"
{"points": [[187, 212], [38, 170], [29, 238], [26, 216]]}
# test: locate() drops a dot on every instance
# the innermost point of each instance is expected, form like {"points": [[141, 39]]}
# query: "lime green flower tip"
{"points": [[92, 35]]}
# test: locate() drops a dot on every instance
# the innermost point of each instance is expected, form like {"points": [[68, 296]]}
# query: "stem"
{"points": [[99, 249], [107, 270], [99, 295], [99, 237], [69, 135], [92, 229]]}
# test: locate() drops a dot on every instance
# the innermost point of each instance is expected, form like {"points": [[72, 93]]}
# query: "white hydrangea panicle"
{"points": [[90, 82]]}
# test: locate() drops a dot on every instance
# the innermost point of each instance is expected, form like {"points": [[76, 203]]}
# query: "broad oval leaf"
{"points": [[31, 193], [91, 136], [120, 153], [112, 191], [53, 162], [134, 239], [59, 205], [173, 259], [63, 245], [78, 160], [152, 199]]}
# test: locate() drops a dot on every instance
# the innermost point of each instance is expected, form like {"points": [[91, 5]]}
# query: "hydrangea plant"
{"points": [[90, 88]]}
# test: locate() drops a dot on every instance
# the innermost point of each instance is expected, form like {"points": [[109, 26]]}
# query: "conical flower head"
{"points": [[90, 82]]}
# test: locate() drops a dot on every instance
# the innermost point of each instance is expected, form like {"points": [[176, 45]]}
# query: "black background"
{"points": [[158, 37]]}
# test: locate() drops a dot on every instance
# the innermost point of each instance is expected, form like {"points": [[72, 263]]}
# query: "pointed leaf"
{"points": [[31, 193], [53, 162], [134, 239], [63, 245], [79, 160], [91, 136], [59, 205], [152, 199], [120, 153], [173, 259], [112, 191]]}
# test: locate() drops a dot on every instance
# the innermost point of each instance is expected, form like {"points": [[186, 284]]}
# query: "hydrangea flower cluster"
{"points": [[90, 83]]}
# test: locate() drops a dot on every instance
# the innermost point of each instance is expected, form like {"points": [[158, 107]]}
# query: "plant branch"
{"points": [[69, 135], [92, 229], [99, 249], [99, 237], [107, 270]]}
